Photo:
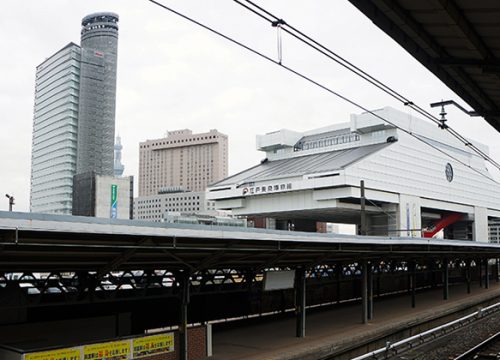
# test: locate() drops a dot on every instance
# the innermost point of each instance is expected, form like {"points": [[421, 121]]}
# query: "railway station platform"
{"points": [[334, 328], [151, 276]]}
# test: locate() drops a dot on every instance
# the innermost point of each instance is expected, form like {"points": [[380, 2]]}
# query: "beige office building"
{"points": [[157, 207], [182, 159]]}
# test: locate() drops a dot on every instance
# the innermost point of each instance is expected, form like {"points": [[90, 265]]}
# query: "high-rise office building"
{"points": [[74, 114], [182, 159], [96, 114], [55, 125]]}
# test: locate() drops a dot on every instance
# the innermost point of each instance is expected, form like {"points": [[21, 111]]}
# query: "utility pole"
{"points": [[363, 208], [11, 201]]}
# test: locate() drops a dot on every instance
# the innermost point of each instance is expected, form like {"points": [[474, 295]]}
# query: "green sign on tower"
{"points": [[114, 196]]}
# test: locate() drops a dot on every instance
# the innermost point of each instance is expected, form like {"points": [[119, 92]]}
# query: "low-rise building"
{"points": [[171, 200]]}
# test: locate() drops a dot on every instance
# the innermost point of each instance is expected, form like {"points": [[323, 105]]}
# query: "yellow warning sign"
{"points": [[60, 354], [155, 344], [116, 350]]}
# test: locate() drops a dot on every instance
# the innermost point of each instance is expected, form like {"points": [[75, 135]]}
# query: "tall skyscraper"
{"points": [[96, 116], [182, 159], [55, 127], [74, 114]]}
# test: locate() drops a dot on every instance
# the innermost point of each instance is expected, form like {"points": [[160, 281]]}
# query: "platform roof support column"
{"points": [[338, 276], [183, 336], [480, 225], [467, 274], [378, 285], [300, 302], [479, 264], [363, 208], [413, 282], [370, 291], [432, 267], [282, 301], [364, 292], [445, 280], [486, 274], [497, 264]]}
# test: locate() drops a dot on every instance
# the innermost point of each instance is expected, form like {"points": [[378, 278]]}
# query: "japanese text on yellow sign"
{"points": [[155, 344], [116, 350], [60, 354]]}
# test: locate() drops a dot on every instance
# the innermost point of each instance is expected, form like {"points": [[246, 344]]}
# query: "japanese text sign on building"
{"points": [[116, 350], [265, 189], [59, 354], [155, 344]]}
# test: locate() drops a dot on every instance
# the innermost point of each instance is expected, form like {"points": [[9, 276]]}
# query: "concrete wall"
{"points": [[413, 168], [197, 346], [480, 229], [36, 335], [6, 354]]}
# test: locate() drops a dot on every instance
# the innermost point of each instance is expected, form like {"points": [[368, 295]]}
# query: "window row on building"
{"points": [[155, 207], [334, 140], [179, 141]]}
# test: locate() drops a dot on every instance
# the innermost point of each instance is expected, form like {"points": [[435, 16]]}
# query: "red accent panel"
{"points": [[441, 224]]}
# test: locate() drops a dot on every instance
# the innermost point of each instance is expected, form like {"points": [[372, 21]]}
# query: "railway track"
{"points": [[486, 350], [461, 339]]}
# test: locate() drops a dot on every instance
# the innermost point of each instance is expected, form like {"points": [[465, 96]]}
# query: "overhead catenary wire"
{"points": [[309, 41], [378, 207], [389, 215], [314, 82], [358, 71]]}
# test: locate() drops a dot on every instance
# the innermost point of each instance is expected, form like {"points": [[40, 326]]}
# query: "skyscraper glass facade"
{"points": [[74, 115], [55, 122], [96, 121]]}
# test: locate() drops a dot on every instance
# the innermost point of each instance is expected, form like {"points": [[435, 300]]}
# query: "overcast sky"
{"points": [[174, 75]]}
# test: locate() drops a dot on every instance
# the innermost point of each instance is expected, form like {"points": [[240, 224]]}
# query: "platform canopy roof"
{"points": [[38, 242], [457, 40]]}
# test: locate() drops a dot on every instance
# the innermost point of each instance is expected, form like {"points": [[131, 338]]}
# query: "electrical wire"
{"points": [[314, 82], [393, 218], [299, 35], [381, 209], [353, 68]]}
